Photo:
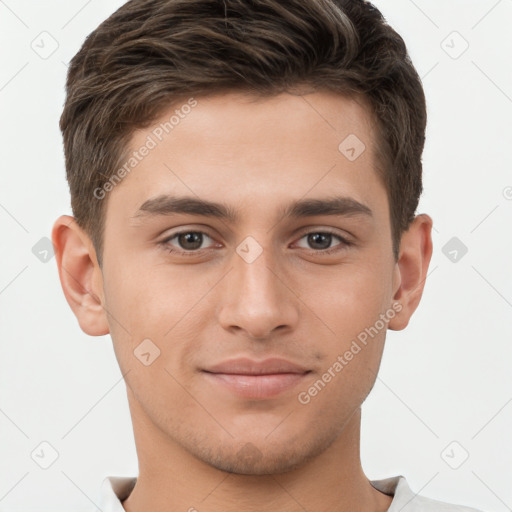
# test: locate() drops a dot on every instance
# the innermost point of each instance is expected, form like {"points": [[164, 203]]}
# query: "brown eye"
{"points": [[322, 241], [319, 240], [191, 240], [185, 241]]}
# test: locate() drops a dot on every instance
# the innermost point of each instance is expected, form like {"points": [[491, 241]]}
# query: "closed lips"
{"points": [[245, 366]]}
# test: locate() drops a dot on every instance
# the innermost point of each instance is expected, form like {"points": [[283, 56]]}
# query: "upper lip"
{"points": [[246, 366]]}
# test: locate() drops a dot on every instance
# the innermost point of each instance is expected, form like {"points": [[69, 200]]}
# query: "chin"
{"points": [[263, 458], [256, 463]]}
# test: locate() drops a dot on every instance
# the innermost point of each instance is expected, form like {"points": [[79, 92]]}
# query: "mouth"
{"points": [[248, 378]]}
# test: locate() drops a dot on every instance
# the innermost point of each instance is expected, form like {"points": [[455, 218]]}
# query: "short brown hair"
{"points": [[151, 53]]}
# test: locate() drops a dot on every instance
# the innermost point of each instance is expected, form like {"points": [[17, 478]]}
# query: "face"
{"points": [[250, 330]]}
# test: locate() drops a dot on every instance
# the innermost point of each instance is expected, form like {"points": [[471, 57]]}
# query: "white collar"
{"points": [[115, 489]]}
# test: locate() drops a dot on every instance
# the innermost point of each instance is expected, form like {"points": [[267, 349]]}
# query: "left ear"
{"points": [[411, 269]]}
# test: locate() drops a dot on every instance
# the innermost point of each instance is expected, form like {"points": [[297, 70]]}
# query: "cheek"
{"points": [[350, 366], [146, 297], [351, 300], [352, 307], [156, 315]]}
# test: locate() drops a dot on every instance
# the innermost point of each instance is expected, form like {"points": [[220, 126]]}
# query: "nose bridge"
{"points": [[257, 300], [257, 279]]}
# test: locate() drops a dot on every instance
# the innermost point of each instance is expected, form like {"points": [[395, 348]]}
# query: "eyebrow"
{"points": [[165, 205]]}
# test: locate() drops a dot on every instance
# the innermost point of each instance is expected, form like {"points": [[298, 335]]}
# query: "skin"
{"points": [[198, 444]]}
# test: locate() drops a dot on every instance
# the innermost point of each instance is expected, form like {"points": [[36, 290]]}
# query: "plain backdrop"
{"points": [[441, 410]]}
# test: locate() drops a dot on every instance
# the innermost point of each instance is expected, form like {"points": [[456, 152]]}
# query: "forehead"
{"points": [[257, 151], [239, 118]]}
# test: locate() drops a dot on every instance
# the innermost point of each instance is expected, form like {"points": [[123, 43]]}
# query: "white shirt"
{"points": [[115, 489]]}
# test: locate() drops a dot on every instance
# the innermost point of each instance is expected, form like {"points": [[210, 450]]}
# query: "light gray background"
{"points": [[445, 378]]}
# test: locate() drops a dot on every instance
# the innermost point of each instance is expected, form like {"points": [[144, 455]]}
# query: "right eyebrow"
{"points": [[170, 205]]}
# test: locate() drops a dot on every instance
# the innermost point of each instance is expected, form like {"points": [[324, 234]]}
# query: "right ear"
{"points": [[80, 275]]}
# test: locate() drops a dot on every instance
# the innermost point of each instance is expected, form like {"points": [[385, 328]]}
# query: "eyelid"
{"points": [[166, 240], [344, 235], [192, 228], [304, 231], [344, 242]]}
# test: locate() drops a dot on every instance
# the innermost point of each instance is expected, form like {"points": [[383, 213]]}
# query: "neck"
{"points": [[171, 479]]}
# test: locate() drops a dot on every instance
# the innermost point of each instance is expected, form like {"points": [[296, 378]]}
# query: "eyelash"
{"points": [[344, 243]]}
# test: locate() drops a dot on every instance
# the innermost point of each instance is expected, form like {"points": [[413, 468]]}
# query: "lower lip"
{"points": [[257, 386]]}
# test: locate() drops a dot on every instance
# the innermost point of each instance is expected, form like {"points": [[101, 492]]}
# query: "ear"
{"points": [[80, 275], [411, 269]]}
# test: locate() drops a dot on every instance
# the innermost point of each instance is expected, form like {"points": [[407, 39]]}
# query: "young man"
{"points": [[244, 177]]}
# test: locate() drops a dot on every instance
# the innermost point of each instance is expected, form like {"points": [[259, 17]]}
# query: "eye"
{"points": [[186, 242], [320, 241], [190, 243]]}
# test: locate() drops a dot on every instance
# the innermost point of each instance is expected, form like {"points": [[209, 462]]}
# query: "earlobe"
{"points": [[411, 269], [80, 275]]}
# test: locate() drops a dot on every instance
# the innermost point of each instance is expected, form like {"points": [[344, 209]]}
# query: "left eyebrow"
{"points": [[166, 205], [343, 206]]}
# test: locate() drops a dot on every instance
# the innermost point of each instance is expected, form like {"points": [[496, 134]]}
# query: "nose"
{"points": [[257, 298]]}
